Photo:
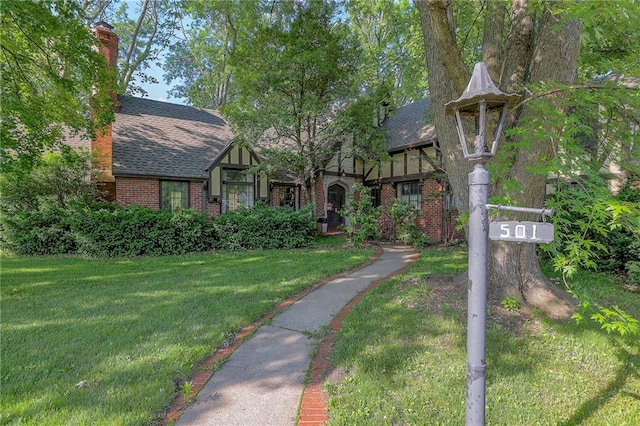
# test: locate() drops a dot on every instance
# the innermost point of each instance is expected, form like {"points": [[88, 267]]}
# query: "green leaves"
{"points": [[198, 65], [611, 36], [392, 61], [596, 230], [582, 223], [612, 319], [51, 75], [363, 216], [57, 178], [105, 230]]}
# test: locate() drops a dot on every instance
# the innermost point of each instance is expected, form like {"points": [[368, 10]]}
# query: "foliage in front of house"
{"points": [[51, 211], [363, 216], [404, 217], [597, 231], [263, 227], [108, 230]]}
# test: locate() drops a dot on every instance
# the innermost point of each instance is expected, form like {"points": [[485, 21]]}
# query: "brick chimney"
{"points": [[102, 146], [109, 49]]}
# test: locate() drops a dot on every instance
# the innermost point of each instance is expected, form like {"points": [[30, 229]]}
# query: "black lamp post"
{"points": [[481, 97]]}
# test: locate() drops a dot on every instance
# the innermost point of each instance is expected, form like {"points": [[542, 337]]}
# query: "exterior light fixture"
{"points": [[480, 98]]}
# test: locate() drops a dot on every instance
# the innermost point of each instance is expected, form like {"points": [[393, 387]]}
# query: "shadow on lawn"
{"points": [[130, 328], [589, 407], [518, 344]]}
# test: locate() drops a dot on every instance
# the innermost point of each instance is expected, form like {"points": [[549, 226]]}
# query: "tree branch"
{"points": [[25, 77], [493, 37], [569, 88], [446, 41]]}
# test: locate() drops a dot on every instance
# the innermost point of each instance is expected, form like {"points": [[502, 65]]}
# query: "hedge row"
{"points": [[107, 230]]}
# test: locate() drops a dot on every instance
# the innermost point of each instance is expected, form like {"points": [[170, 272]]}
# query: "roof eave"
{"points": [[423, 143], [203, 177]]}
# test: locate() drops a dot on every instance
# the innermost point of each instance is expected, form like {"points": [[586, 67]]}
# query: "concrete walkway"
{"points": [[262, 382]]}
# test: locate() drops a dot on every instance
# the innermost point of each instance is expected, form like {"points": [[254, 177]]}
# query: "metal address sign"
{"points": [[521, 232]]}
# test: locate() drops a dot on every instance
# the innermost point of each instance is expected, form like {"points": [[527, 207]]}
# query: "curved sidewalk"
{"points": [[263, 380]]}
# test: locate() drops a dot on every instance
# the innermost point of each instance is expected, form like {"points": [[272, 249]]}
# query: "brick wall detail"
{"points": [[138, 192], [195, 196], [431, 220], [320, 198], [101, 148], [146, 192]]}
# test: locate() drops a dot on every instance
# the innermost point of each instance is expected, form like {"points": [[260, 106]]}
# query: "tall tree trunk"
{"points": [[441, 91], [555, 58], [493, 36], [513, 268]]}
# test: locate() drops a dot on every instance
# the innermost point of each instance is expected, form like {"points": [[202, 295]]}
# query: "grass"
{"points": [[401, 353], [109, 342]]}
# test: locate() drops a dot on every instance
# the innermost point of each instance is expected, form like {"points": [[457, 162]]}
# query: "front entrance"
{"points": [[335, 203]]}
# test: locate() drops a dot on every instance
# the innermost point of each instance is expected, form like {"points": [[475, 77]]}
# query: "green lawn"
{"points": [[400, 357], [103, 342]]}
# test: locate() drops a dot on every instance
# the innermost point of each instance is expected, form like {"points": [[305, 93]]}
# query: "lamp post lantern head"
{"points": [[480, 97]]}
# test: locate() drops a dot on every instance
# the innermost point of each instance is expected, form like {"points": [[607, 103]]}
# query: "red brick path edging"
{"points": [[206, 368], [313, 408]]}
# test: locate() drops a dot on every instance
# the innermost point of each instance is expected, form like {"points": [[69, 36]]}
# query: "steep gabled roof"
{"points": [[408, 127], [160, 139]]}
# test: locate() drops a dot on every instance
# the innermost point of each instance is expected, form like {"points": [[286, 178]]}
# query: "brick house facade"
{"points": [[168, 156], [160, 155]]}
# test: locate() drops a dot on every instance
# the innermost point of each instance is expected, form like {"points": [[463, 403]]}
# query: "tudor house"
{"points": [[409, 175], [170, 156]]}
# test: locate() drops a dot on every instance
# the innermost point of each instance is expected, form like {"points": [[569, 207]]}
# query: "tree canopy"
{"points": [[199, 60], [293, 77], [53, 79], [146, 28]]}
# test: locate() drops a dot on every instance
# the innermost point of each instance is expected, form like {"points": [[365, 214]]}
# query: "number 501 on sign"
{"points": [[521, 232]]}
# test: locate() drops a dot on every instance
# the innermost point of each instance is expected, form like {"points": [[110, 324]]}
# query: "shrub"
{"points": [[57, 178], [599, 232], [41, 232], [404, 217], [109, 230], [140, 231], [263, 227], [363, 216]]}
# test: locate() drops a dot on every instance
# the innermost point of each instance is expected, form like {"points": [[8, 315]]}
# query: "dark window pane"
{"points": [[174, 195], [232, 175], [410, 192]]}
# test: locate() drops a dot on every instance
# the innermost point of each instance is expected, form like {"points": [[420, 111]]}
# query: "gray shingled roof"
{"points": [[165, 140], [408, 128], [160, 139]]}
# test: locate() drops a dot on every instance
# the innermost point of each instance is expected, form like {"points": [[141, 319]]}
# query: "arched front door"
{"points": [[335, 203]]}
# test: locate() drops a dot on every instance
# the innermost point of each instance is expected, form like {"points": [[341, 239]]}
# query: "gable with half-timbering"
{"points": [[233, 181]]}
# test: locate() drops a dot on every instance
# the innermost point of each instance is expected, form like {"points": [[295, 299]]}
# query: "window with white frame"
{"points": [[410, 192], [237, 189]]}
